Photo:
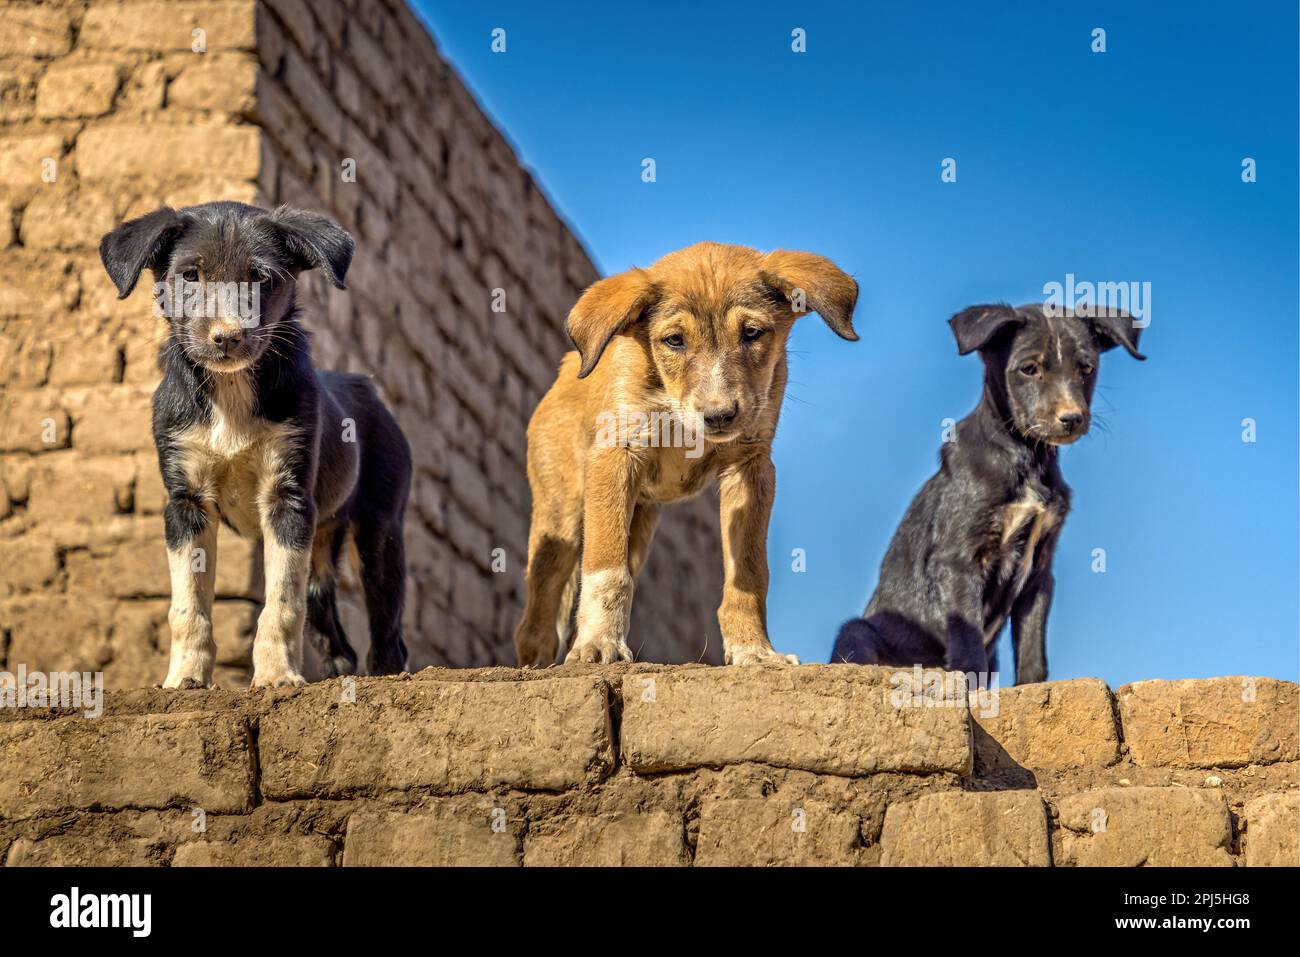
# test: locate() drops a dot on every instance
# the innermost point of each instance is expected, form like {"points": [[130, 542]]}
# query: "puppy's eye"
{"points": [[675, 341], [190, 275], [1085, 370], [261, 275], [750, 333], [1029, 368]]}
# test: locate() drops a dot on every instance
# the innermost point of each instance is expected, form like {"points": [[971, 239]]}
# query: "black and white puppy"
{"points": [[975, 547], [250, 433]]}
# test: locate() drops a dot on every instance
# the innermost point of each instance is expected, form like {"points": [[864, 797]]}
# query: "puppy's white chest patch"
{"points": [[1028, 518], [234, 458], [1025, 523], [1027, 511], [231, 434]]}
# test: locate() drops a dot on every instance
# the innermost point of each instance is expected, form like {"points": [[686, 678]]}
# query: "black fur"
{"points": [[950, 578], [327, 485]]}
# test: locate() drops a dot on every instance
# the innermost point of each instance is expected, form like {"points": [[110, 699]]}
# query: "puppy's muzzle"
{"points": [[225, 339], [1071, 421], [1068, 425], [721, 419]]}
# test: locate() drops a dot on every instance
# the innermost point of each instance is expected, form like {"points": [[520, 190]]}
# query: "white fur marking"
{"points": [[277, 647], [605, 609], [1015, 516], [193, 649]]}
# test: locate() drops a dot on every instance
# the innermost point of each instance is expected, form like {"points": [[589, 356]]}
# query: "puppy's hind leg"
{"points": [[857, 644], [551, 578], [383, 576], [644, 519], [324, 629], [564, 617], [1029, 629]]}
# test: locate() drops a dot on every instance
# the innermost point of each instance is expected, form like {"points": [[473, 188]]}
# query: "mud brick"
{"points": [[169, 26], [962, 828], [137, 761], [1272, 824], [34, 30], [1211, 722], [1053, 725], [280, 850], [23, 158], [1144, 826], [446, 736], [834, 719], [762, 832], [218, 81], [130, 152], [77, 90], [448, 834]]}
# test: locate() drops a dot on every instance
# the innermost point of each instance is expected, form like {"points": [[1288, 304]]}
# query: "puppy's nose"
{"points": [[226, 338], [1071, 420], [721, 418]]}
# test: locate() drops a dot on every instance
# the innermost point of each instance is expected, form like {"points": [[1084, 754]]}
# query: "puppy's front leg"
{"points": [[1029, 629], [191, 532], [287, 528], [605, 600], [746, 492]]}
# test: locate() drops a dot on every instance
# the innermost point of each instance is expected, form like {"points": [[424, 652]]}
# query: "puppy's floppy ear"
{"points": [[827, 289], [137, 243], [1111, 328], [977, 326], [315, 242], [604, 310]]}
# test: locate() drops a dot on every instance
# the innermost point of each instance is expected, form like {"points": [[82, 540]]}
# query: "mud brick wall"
{"points": [[657, 765], [107, 111]]}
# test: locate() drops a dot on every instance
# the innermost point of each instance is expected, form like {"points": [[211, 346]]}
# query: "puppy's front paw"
{"points": [[283, 679], [758, 655], [599, 651], [188, 674], [187, 683]]}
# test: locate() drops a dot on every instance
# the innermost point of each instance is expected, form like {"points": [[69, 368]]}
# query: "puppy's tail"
{"points": [[564, 617], [858, 644]]}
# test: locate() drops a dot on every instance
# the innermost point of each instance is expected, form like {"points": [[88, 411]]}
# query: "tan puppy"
{"points": [[678, 380]]}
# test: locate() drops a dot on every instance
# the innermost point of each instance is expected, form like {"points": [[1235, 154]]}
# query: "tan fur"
{"points": [[598, 501]]}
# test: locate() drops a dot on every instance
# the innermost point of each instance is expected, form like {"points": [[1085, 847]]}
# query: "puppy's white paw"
{"points": [[188, 675], [599, 651], [758, 655], [604, 608], [187, 683], [283, 679]]}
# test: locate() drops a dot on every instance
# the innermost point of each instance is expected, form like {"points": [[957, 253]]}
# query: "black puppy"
{"points": [[249, 432], [976, 544]]}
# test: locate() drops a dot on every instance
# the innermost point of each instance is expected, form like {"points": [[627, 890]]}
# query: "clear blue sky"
{"points": [[1115, 167]]}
